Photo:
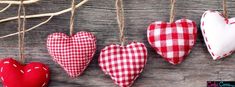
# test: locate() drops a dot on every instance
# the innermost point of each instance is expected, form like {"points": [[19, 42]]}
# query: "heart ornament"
{"points": [[14, 74], [123, 63], [173, 41], [73, 53], [218, 33]]}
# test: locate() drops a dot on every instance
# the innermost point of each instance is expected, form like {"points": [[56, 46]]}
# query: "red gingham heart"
{"points": [[14, 74], [173, 41], [123, 63], [73, 53]]}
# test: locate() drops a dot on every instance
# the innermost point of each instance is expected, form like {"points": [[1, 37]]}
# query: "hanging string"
{"points": [[172, 13], [21, 27], [225, 12], [72, 17], [23, 33], [120, 20]]}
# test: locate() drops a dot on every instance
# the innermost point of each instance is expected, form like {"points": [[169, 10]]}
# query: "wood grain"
{"points": [[98, 17]]}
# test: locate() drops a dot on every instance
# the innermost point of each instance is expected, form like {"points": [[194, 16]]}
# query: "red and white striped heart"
{"points": [[73, 53], [14, 74], [218, 33], [123, 63], [173, 41]]}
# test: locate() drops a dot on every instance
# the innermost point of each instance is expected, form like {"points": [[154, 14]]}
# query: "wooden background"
{"points": [[98, 17]]}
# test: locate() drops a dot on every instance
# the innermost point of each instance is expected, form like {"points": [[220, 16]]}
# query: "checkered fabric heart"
{"points": [[73, 53], [173, 41], [123, 63]]}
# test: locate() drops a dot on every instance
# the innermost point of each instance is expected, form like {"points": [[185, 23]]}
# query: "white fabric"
{"points": [[220, 34]]}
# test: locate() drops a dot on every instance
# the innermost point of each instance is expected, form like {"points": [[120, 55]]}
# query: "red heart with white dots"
{"points": [[14, 74], [173, 41], [73, 53], [123, 63]]}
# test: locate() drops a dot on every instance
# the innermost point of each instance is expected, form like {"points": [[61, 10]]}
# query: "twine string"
{"points": [[21, 28], [72, 17], [225, 12], [120, 20], [172, 12]]}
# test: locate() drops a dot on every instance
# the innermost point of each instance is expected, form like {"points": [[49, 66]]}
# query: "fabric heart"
{"points": [[173, 41], [73, 53], [218, 33], [14, 74], [123, 63]]}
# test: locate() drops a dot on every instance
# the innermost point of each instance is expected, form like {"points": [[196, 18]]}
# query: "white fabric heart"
{"points": [[218, 33]]}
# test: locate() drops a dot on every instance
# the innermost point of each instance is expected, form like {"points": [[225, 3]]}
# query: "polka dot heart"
{"points": [[14, 74]]}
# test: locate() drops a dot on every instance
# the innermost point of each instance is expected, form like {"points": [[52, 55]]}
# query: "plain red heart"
{"points": [[173, 41], [123, 63], [14, 74], [73, 53]]}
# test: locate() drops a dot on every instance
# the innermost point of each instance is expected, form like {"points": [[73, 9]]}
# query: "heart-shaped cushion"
{"points": [[123, 63], [73, 53], [14, 74], [173, 41], [218, 33]]}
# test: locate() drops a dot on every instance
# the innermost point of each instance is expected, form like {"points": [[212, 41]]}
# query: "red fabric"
{"points": [[14, 74], [173, 41], [73, 53], [123, 63]]}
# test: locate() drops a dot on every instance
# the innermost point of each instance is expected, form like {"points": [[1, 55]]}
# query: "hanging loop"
{"points": [[225, 12], [120, 20], [21, 28], [72, 17], [172, 12]]}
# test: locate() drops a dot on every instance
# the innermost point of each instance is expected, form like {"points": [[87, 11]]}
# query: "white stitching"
{"points": [[29, 70], [15, 65], [44, 68], [2, 78], [43, 84], [22, 71], [1, 69], [6, 62]]}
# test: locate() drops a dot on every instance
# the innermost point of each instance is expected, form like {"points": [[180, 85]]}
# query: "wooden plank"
{"points": [[98, 17]]}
